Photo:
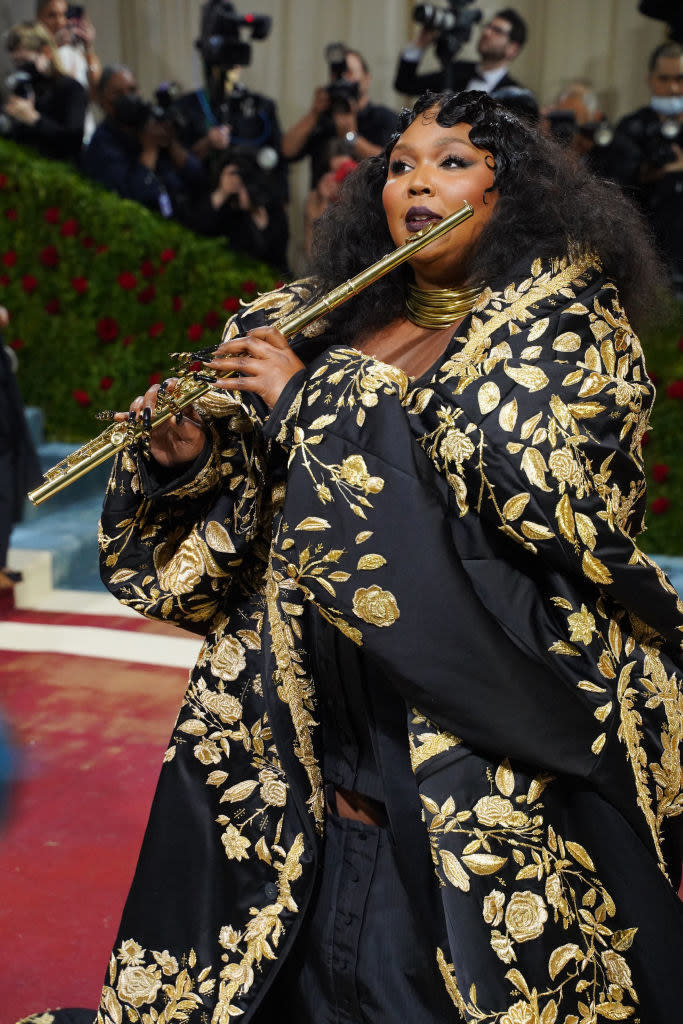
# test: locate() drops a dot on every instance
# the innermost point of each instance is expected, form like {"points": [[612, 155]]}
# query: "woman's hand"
{"points": [[179, 439], [262, 360], [22, 109]]}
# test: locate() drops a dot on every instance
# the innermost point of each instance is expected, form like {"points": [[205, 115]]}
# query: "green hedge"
{"points": [[101, 290]]}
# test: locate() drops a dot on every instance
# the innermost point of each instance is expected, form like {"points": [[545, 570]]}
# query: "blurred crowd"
{"points": [[217, 160]]}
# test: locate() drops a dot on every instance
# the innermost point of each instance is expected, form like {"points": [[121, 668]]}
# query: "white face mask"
{"points": [[667, 106]]}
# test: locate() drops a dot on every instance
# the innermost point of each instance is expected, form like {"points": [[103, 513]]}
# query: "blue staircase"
{"points": [[66, 524]]}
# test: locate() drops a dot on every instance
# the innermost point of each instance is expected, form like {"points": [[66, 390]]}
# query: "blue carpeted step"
{"points": [[70, 534]]}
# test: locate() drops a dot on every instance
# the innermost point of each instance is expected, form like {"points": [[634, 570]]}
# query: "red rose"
{"points": [[3, 181], [127, 280], [645, 439], [148, 269], [195, 367], [249, 286], [147, 295], [675, 389], [167, 256], [278, 285], [5, 280], [102, 248], [127, 340], [654, 377], [9, 259], [29, 283], [82, 397], [49, 256], [659, 506], [70, 228], [107, 329], [87, 242], [194, 332], [106, 383], [80, 284], [176, 303], [154, 378], [17, 344], [231, 305], [680, 344], [11, 215], [155, 330], [52, 307], [211, 320], [52, 215], [660, 472]]}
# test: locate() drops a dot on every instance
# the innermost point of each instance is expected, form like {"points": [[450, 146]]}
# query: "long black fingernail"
{"points": [[205, 377], [178, 417], [132, 416], [146, 418]]}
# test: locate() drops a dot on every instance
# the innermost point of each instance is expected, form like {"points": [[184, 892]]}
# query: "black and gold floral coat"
{"points": [[475, 534]]}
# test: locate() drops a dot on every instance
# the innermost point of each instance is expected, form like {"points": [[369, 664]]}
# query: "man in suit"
{"points": [[500, 41]]}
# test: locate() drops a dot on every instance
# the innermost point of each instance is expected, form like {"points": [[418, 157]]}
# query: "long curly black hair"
{"points": [[548, 205]]}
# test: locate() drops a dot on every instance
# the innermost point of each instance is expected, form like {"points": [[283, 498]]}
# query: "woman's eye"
{"points": [[398, 166], [453, 161]]}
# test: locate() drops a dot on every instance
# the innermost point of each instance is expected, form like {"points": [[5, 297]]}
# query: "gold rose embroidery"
{"points": [[376, 606]]}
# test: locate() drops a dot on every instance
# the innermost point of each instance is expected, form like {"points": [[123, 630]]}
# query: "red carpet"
{"points": [[91, 734]]}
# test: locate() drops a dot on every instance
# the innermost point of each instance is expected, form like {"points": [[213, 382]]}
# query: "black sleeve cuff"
{"points": [[157, 481], [272, 425]]}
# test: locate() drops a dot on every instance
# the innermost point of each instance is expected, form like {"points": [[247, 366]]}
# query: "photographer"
{"points": [[74, 35], [45, 108], [241, 208], [342, 110], [500, 41], [225, 112], [134, 151], [655, 172]]}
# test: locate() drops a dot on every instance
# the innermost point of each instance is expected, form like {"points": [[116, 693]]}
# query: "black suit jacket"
{"points": [[461, 71]]}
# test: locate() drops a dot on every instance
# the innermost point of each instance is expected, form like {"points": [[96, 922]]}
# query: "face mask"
{"points": [[131, 111], [667, 106]]}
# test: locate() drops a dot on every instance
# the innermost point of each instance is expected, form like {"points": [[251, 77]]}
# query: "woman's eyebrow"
{"points": [[441, 143]]}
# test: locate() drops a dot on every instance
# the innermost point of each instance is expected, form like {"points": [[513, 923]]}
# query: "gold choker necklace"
{"points": [[439, 307]]}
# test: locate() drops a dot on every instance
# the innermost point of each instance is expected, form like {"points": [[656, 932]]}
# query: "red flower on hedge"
{"points": [[148, 269], [154, 378], [9, 259], [87, 242], [645, 439], [11, 215], [127, 280], [167, 256], [52, 215], [155, 330], [52, 307], [102, 248], [69, 228], [680, 344], [147, 295], [211, 320], [659, 506], [17, 344], [29, 283], [80, 284], [3, 181], [249, 286], [176, 303], [106, 383], [49, 256], [675, 389], [194, 332], [127, 340], [82, 397], [660, 472], [231, 305], [654, 377], [107, 329]]}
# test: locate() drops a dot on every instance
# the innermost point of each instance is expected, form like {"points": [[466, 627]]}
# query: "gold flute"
{"points": [[119, 435]]}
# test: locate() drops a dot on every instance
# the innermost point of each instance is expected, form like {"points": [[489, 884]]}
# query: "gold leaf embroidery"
{"points": [[371, 562], [513, 507], [535, 467], [488, 397], [595, 570], [454, 871], [484, 863], [507, 417], [530, 377], [567, 342], [313, 523], [560, 957]]}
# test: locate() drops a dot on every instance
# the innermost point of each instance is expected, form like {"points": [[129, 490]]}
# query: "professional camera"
{"points": [[454, 25], [219, 43], [340, 91], [563, 128], [20, 83]]}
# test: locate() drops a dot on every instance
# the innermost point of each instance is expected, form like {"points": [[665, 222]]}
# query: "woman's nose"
{"points": [[421, 187]]}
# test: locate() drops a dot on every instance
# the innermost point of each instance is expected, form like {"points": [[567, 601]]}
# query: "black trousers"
{"points": [[361, 956]]}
